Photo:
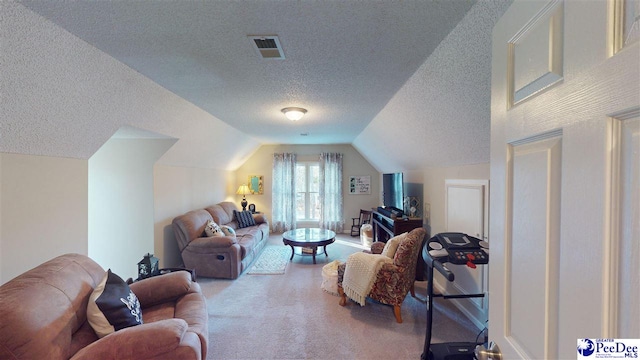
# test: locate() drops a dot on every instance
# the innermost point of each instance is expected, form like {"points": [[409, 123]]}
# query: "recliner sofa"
{"points": [[43, 315], [219, 256]]}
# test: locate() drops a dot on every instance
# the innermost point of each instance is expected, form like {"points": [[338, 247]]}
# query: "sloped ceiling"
{"points": [[366, 71], [441, 116]]}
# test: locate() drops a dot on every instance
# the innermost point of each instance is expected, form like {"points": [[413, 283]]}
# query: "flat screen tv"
{"points": [[392, 190]]}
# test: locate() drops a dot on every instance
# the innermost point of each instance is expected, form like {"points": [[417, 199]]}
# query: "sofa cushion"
{"points": [[244, 218], [213, 229], [247, 242], [229, 207], [222, 213], [190, 226], [113, 306]]}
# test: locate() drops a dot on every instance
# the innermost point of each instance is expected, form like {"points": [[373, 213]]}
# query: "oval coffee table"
{"points": [[309, 238]]}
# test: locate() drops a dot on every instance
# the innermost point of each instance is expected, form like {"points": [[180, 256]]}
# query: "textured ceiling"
{"points": [[344, 60], [441, 116]]}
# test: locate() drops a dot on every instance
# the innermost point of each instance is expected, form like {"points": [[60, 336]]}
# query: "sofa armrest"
{"points": [[259, 218], [144, 341], [377, 247], [163, 288]]}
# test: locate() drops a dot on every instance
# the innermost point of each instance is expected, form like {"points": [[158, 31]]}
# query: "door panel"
{"points": [[563, 212], [629, 230], [533, 284]]}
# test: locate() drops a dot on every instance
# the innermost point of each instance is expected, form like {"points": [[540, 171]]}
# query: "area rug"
{"points": [[273, 261]]}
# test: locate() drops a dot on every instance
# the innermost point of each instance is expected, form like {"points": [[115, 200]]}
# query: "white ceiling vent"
{"points": [[268, 46]]}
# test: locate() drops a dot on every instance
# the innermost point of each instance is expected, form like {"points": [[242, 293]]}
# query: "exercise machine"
{"points": [[457, 249]]}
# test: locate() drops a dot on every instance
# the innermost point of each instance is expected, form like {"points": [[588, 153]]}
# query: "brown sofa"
{"points": [[43, 315], [219, 256]]}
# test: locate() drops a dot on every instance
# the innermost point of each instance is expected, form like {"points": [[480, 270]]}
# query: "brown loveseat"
{"points": [[219, 256], [43, 315]]}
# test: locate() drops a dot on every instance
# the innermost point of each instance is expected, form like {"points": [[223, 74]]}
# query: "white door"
{"points": [[466, 211], [466, 204], [564, 177]]}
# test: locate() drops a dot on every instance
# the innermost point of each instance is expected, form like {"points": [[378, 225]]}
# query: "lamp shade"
{"points": [[243, 190], [294, 113]]}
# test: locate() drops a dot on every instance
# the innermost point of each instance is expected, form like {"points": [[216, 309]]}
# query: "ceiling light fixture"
{"points": [[294, 113]]}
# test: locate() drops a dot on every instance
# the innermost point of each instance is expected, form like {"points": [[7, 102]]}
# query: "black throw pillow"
{"points": [[244, 218], [113, 306]]}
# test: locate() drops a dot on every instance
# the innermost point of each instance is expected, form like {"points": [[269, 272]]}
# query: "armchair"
{"points": [[44, 315], [394, 279]]}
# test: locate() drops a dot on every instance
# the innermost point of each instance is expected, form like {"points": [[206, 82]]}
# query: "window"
{"points": [[307, 191]]}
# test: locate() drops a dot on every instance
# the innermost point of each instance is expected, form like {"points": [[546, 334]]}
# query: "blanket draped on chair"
{"points": [[360, 274]]}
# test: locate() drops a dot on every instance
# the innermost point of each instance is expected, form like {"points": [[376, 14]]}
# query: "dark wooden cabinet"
{"points": [[385, 227]]}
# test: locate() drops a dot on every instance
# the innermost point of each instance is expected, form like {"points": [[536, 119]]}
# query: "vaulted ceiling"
{"points": [[407, 83]]}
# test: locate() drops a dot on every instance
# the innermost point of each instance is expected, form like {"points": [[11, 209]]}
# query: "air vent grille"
{"points": [[266, 43], [267, 46]]}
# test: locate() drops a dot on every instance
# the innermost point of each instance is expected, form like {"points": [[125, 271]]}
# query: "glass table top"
{"points": [[309, 235]]}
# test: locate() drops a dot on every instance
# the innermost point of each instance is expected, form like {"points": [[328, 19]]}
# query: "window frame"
{"points": [[307, 193]]}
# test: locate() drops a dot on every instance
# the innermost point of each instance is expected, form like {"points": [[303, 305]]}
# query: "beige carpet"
{"points": [[290, 317]]}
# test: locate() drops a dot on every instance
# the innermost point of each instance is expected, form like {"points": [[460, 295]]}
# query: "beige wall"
{"points": [[178, 190], [121, 210], [44, 210], [353, 164], [434, 191]]}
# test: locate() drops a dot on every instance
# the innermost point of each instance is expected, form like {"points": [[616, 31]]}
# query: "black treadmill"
{"points": [[458, 249]]}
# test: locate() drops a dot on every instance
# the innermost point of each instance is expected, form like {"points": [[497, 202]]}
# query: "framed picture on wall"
{"points": [[360, 185], [255, 184]]}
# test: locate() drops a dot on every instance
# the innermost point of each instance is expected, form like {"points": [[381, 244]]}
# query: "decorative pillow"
{"points": [[244, 218], [392, 245], [228, 230], [213, 229], [113, 306]]}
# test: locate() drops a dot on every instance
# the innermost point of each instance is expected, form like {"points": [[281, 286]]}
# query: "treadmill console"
{"points": [[459, 248]]}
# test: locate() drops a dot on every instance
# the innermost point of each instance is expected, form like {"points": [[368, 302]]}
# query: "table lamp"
{"points": [[243, 190]]}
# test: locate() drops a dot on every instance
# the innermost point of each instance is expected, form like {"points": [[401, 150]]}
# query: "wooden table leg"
{"points": [[292, 252]]}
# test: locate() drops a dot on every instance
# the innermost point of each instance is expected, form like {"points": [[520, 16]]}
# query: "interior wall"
{"points": [[261, 163], [434, 210], [44, 210], [434, 191], [121, 204], [178, 190]]}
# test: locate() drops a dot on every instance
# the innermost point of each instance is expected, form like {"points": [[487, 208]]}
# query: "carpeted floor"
{"points": [[273, 260], [290, 317]]}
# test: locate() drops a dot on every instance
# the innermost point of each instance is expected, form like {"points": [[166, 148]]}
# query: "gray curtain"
{"points": [[283, 206], [331, 192]]}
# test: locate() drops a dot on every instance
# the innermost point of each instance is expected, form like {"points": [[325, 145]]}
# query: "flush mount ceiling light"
{"points": [[294, 113]]}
